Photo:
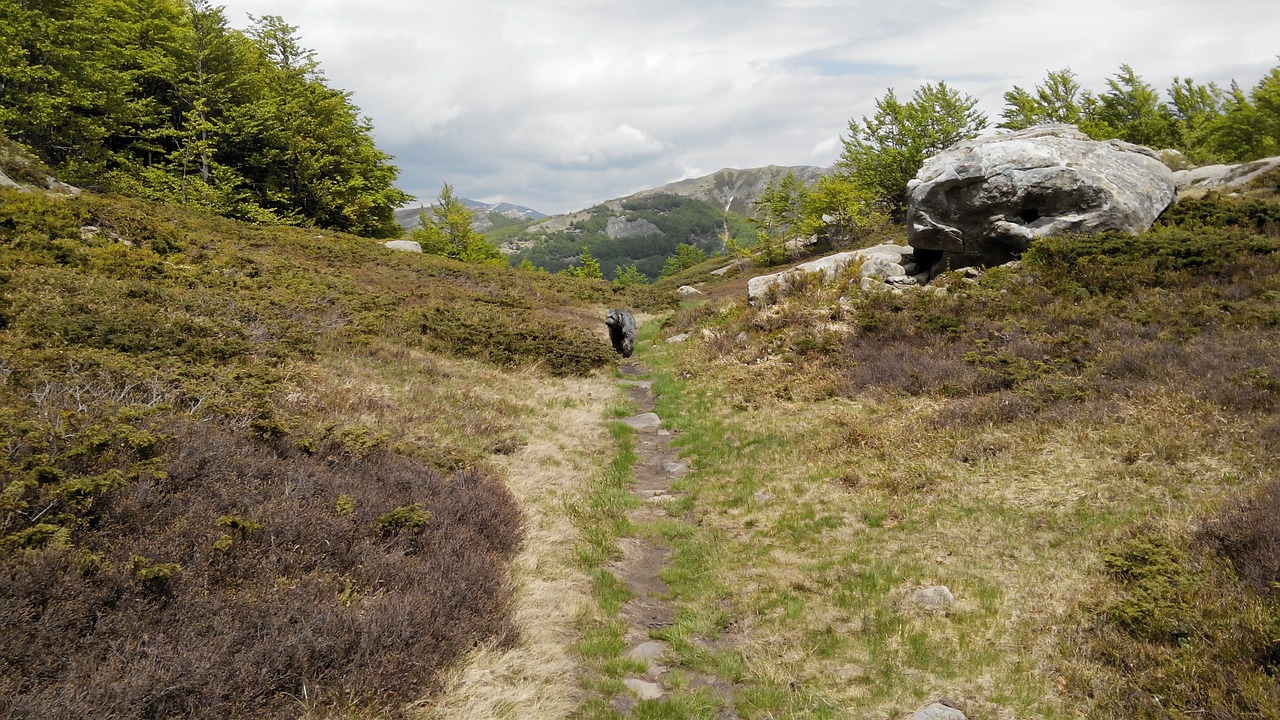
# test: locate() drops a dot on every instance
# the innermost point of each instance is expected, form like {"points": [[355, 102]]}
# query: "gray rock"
{"points": [[881, 261], [1198, 181], [676, 468], [934, 598], [643, 689], [677, 338], [648, 652], [688, 291], [619, 228], [721, 271], [403, 245], [936, 711], [5, 181], [982, 201], [622, 331], [643, 421]]}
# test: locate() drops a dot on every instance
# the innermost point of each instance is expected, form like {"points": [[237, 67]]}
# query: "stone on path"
{"points": [[936, 711], [643, 422], [645, 690], [648, 652], [675, 468]]}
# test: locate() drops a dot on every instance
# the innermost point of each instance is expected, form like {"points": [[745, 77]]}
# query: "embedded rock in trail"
{"points": [[403, 245], [888, 263], [622, 331], [1198, 181], [982, 201], [937, 711]]}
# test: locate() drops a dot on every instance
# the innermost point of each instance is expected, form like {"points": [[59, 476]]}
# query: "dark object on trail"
{"points": [[622, 331]]}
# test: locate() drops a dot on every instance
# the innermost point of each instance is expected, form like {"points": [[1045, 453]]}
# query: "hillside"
{"points": [[644, 228], [256, 471]]}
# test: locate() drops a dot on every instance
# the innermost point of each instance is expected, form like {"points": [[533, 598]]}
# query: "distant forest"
{"points": [[160, 99]]}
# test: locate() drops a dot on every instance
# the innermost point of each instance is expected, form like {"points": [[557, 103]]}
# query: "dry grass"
{"points": [[539, 678]]}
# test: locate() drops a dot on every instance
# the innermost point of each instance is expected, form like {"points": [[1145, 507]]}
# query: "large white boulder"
{"points": [[403, 245], [982, 201]]}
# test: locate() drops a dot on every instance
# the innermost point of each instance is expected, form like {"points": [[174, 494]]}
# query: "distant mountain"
{"points": [[644, 228], [733, 189], [488, 216]]}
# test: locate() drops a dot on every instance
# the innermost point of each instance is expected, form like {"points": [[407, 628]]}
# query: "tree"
{"points": [[1131, 110], [629, 276], [1249, 127], [1059, 100], [883, 152], [587, 268], [448, 231], [686, 256]]}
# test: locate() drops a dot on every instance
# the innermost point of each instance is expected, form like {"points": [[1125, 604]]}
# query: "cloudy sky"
{"points": [[560, 104]]}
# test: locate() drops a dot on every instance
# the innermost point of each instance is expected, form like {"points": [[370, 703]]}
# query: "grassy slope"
{"points": [[1073, 447], [259, 470]]}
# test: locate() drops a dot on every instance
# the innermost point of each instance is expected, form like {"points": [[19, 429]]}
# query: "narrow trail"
{"points": [[644, 558]]}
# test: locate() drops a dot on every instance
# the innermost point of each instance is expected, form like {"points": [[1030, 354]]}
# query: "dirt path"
{"points": [[643, 559]]}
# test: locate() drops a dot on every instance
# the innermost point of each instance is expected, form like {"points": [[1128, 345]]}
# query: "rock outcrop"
{"points": [[886, 265], [622, 331], [403, 245], [1199, 181], [982, 201]]}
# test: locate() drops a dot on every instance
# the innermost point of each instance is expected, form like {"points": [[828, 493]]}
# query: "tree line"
{"points": [[161, 99], [883, 152]]}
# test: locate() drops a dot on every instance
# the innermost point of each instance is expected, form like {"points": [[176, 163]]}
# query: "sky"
{"points": [[558, 105]]}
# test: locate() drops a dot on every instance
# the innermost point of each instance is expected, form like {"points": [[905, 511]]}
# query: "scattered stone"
{"points": [[677, 338], [689, 291], [725, 269], [403, 245], [642, 384], [936, 711], [643, 421], [662, 432], [982, 201], [935, 598], [763, 496], [675, 468], [741, 337], [644, 690]]}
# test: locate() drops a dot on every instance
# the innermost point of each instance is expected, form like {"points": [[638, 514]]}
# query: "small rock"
{"points": [[642, 384], [403, 245], [675, 468], [678, 338], [643, 421], [934, 598], [648, 652], [644, 690], [689, 291], [763, 496], [936, 711], [663, 432], [741, 337]]}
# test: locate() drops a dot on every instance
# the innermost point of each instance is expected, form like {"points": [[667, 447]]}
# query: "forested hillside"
{"points": [[162, 100]]}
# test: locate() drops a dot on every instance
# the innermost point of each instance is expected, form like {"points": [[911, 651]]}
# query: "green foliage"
{"points": [[883, 152], [160, 99], [629, 276], [685, 257], [448, 232], [1204, 122], [588, 268], [408, 517], [508, 339]]}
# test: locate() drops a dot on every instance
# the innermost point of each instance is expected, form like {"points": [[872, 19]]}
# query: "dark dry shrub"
{"points": [[1247, 532], [252, 575], [1172, 632]]}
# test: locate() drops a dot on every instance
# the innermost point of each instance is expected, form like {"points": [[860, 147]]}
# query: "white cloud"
{"points": [[560, 104]]}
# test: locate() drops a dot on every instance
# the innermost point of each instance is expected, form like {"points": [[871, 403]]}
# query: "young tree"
{"points": [[587, 268], [883, 152], [686, 256], [448, 231], [1131, 110], [629, 276], [1059, 100]]}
